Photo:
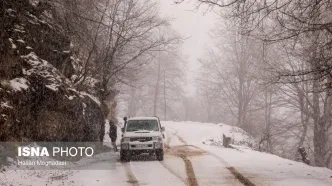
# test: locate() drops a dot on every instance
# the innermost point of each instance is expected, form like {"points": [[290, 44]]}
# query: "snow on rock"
{"points": [[54, 78], [85, 94], [42, 68], [19, 28], [52, 87], [75, 62], [5, 105], [20, 40], [10, 10], [34, 2], [19, 84], [13, 44], [84, 107], [70, 97], [43, 75]]}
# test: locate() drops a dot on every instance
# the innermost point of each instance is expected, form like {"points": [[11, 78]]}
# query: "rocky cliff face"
{"points": [[38, 100]]}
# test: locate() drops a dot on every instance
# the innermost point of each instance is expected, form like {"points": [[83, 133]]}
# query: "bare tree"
{"points": [[119, 34], [304, 27]]}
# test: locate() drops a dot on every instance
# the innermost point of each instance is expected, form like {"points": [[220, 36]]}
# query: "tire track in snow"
{"points": [[172, 172], [191, 177], [245, 181], [130, 175], [134, 181], [190, 171], [167, 147]]}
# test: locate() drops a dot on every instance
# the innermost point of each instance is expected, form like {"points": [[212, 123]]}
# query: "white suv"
{"points": [[142, 135]]}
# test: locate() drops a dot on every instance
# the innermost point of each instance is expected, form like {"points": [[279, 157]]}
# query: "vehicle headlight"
{"points": [[157, 138], [125, 140]]}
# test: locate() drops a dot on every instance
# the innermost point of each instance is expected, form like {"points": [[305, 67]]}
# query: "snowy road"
{"points": [[183, 165], [187, 162]]}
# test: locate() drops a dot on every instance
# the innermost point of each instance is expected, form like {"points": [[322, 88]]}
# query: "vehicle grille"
{"points": [[141, 139]]}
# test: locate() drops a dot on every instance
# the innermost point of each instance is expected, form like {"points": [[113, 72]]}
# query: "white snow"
{"points": [[34, 2], [82, 94], [10, 10], [84, 106], [20, 40], [260, 168], [42, 68], [76, 63], [19, 83], [153, 173], [210, 168], [28, 47], [42, 21], [143, 118], [18, 30], [13, 44], [5, 105], [18, 26], [70, 97], [33, 59], [52, 87], [4, 116], [33, 22], [96, 100]]}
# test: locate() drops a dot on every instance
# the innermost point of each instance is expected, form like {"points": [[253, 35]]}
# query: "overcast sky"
{"points": [[193, 24]]}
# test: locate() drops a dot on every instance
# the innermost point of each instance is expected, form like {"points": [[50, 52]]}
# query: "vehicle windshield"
{"points": [[136, 125]]}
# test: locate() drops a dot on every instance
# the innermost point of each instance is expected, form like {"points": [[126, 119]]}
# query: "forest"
{"points": [[269, 71]]}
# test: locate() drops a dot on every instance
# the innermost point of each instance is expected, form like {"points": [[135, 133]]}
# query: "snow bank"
{"points": [[261, 168], [212, 134]]}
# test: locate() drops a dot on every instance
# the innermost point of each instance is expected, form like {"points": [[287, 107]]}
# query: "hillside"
{"points": [[38, 100]]}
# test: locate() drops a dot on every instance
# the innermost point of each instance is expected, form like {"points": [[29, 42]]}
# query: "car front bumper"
{"points": [[151, 145]]}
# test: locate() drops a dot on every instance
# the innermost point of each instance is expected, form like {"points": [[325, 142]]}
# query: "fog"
{"points": [[266, 74], [263, 66]]}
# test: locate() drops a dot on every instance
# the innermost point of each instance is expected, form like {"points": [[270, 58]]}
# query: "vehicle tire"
{"points": [[160, 155], [125, 156]]}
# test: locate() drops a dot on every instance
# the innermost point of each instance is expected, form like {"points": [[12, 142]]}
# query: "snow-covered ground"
{"points": [[260, 168], [202, 159]]}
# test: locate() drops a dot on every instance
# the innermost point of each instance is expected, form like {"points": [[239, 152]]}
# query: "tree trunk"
{"points": [[268, 101], [156, 93], [320, 128], [132, 105], [165, 108]]}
